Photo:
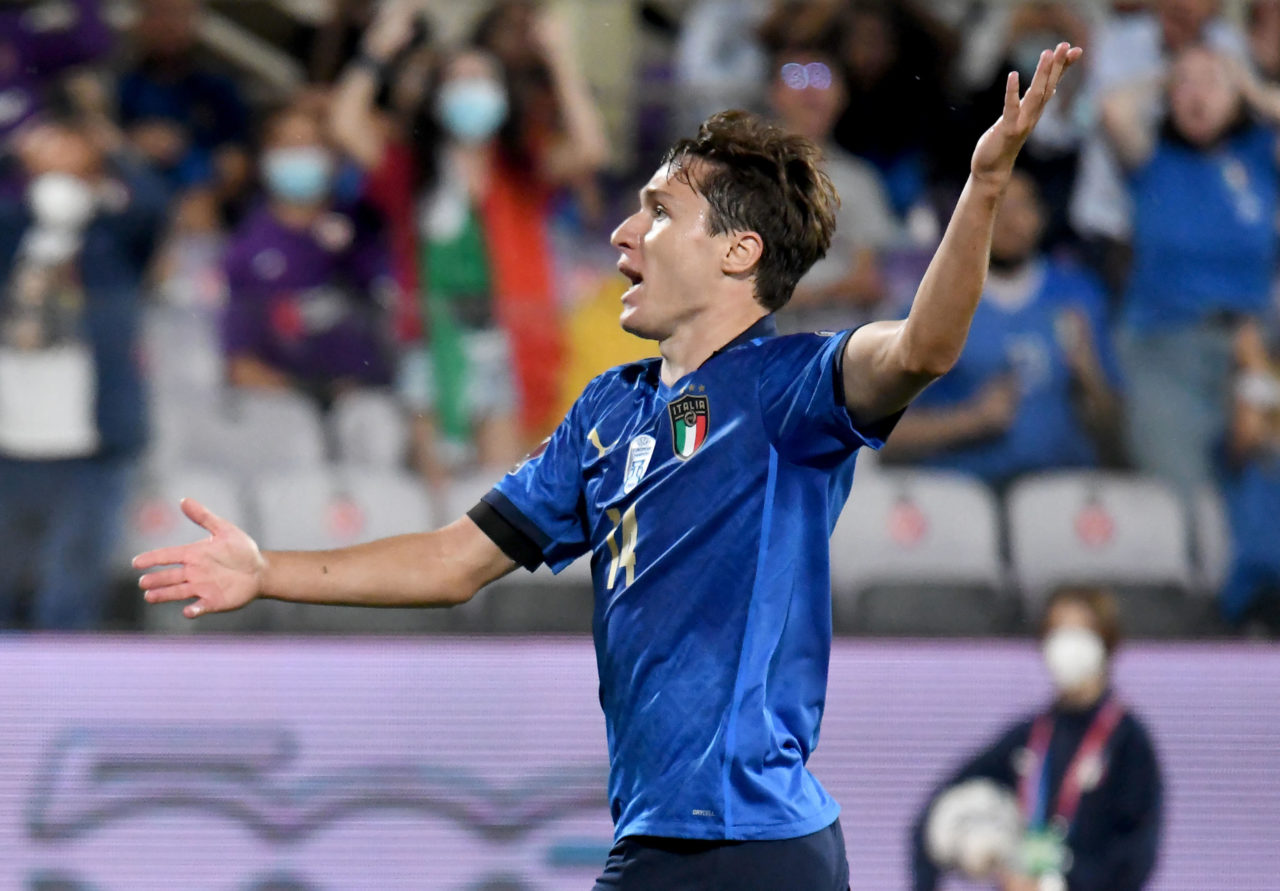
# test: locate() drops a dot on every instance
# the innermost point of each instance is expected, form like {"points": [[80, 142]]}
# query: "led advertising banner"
{"points": [[325, 764]]}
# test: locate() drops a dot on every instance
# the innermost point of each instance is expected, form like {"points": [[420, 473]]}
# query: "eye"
{"points": [[659, 211]]}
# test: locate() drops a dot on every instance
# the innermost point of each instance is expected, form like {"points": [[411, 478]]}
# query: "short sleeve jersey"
{"points": [[706, 508]]}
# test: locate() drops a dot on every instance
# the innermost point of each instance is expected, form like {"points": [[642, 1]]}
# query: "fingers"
{"points": [[201, 515], [1011, 100], [163, 578], [1053, 64], [182, 591], [169, 593], [162, 557]]}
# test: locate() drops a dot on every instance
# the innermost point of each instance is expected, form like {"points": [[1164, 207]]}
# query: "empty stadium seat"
{"points": [[180, 350], [917, 552], [247, 433], [331, 507], [1127, 533], [369, 429]]}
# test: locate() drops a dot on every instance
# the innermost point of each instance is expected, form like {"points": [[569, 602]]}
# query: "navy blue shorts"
{"points": [[814, 862]]}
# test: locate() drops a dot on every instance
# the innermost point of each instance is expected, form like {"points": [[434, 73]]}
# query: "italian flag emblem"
{"points": [[690, 419]]}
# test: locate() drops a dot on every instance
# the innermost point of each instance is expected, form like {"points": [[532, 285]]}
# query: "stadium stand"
{"points": [[1128, 533], [334, 506], [369, 429], [918, 552]]}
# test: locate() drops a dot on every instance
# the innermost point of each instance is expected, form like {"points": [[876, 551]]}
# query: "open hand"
{"points": [[222, 572], [999, 146]]}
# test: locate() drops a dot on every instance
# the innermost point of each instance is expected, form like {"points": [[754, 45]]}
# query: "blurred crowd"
{"points": [[421, 224]]}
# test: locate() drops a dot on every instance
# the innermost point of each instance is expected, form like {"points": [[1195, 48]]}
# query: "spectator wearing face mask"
{"points": [[308, 282], [471, 201], [1036, 386], [1083, 772], [77, 231]]}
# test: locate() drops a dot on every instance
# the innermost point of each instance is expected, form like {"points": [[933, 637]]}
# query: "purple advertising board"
{"points": [[133, 763]]}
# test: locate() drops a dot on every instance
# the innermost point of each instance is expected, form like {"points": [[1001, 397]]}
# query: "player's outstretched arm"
{"points": [[887, 363], [226, 570]]}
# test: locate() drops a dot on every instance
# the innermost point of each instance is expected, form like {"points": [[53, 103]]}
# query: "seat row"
{"points": [[914, 552]]}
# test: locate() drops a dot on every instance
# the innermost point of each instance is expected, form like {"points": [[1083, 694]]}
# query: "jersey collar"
{"points": [[765, 326]]}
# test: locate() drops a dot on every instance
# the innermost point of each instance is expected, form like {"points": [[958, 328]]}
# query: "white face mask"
{"points": [[61, 201], [1074, 656]]}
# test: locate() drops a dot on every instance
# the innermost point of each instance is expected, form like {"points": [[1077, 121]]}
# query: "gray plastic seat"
{"points": [[1124, 532], [918, 552]]}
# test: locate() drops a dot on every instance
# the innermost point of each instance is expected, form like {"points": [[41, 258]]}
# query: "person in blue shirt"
{"points": [[1204, 185], [704, 485], [190, 123], [1035, 387], [1249, 481]]}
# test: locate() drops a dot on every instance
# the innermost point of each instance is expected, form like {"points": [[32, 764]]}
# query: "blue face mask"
{"points": [[472, 109], [298, 175]]}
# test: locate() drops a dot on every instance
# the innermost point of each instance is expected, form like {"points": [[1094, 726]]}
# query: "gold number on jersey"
{"points": [[624, 549]]}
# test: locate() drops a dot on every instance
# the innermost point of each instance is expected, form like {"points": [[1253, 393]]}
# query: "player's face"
{"points": [[672, 260]]}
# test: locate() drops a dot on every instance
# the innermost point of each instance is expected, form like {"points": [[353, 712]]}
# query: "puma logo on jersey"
{"points": [[594, 438]]}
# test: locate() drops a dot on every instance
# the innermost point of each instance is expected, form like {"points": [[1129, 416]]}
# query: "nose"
{"points": [[627, 235]]}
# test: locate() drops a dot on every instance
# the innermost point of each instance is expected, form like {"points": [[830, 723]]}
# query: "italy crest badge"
{"points": [[690, 420]]}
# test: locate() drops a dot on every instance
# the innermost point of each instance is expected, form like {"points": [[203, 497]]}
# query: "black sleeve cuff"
{"points": [[878, 428], [514, 543]]}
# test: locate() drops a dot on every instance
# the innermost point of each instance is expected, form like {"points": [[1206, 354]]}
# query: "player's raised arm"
{"points": [[226, 570], [887, 363]]}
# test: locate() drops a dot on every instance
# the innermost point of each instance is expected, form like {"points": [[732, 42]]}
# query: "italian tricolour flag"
{"points": [[690, 435]]}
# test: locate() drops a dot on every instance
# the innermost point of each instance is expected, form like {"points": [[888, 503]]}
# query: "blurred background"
{"points": [[333, 266]]}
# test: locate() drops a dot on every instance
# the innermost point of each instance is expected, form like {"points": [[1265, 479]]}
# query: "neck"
{"points": [[1085, 696], [296, 216], [695, 341]]}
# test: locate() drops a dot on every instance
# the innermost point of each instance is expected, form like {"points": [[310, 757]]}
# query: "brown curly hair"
{"points": [[759, 178]]}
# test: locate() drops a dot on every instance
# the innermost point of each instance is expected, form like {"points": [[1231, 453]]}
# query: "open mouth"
{"points": [[633, 275]]}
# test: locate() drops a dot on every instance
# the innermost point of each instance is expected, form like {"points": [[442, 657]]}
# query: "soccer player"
{"points": [[705, 485]]}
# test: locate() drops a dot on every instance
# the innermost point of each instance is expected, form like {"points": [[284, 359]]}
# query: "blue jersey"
{"points": [[1204, 238], [706, 507], [1047, 430]]}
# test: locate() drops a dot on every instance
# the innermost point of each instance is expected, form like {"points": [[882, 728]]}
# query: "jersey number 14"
{"points": [[623, 548]]}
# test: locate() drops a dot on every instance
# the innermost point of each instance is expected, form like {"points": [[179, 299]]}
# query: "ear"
{"points": [[743, 254]]}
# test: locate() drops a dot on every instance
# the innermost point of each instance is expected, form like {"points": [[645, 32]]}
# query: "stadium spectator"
{"points": [[720, 61], [1263, 30], [77, 230], [807, 95], [308, 281], [1084, 772], [1036, 385], [1250, 482], [189, 122], [896, 56], [468, 189], [1136, 44], [1007, 37], [39, 41], [1204, 189]]}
